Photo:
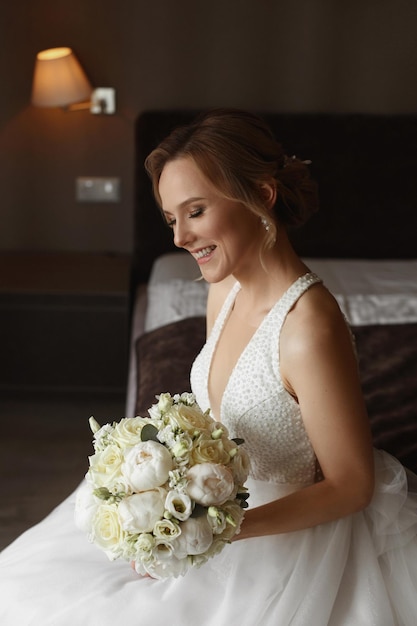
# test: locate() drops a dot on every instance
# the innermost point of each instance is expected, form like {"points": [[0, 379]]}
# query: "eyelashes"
{"points": [[192, 214]]}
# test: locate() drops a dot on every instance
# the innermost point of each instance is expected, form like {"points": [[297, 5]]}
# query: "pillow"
{"points": [[371, 292], [174, 301], [164, 358], [174, 265]]}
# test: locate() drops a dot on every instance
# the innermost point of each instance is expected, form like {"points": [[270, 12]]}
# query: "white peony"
{"points": [[210, 484], [196, 537], [85, 507], [147, 466], [140, 512]]}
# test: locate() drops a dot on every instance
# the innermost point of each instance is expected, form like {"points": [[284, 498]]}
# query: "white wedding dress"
{"points": [[358, 571]]}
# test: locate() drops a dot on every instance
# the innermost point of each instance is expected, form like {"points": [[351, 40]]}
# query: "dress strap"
{"points": [[293, 293]]}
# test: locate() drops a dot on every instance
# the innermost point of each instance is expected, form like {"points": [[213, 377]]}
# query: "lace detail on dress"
{"points": [[255, 405]]}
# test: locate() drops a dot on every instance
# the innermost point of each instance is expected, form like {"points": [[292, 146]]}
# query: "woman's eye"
{"points": [[196, 212], [170, 223]]}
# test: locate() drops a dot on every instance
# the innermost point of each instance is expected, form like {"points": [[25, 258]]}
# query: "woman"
{"points": [[330, 535], [279, 369]]}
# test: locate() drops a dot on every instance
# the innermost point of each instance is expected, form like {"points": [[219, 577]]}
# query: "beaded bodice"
{"points": [[255, 405]]}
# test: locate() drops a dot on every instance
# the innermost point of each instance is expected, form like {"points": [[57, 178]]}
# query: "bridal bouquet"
{"points": [[165, 491]]}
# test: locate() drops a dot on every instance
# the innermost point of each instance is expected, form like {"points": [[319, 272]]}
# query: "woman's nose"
{"points": [[181, 234]]}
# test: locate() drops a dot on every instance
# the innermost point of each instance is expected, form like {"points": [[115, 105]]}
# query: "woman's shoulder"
{"points": [[315, 324], [315, 338], [317, 311]]}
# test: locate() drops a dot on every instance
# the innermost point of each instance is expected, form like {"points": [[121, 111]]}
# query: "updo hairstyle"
{"points": [[237, 153]]}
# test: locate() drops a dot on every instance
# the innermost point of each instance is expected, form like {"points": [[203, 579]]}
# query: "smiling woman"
{"points": [[214, 229], [329, 537]]}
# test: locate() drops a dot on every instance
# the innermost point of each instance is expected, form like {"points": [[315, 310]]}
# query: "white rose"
{"points": [[107, 532], [189, 418], [147, 465], [105, 467], [140, 512], [209, 450], [196, 537], [127, 432], [85, 508], [179, 505], [210, 483]]}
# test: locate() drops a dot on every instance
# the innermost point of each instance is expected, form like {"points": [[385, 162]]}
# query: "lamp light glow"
{"points": [[60, 81]]}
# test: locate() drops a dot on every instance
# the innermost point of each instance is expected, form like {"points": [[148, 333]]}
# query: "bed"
{"points": [[362, 243]]}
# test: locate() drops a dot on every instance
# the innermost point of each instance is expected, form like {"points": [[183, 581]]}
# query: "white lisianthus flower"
{"points": [[210, 483], [217, 519], [107, 532], [196, 537], [140, 512], [166, 530], [179, 505], [86, 506], [234, 517], [147, 465], [105, 467]]}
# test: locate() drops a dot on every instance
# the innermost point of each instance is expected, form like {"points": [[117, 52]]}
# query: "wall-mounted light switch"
{"points": [[97, 189]]}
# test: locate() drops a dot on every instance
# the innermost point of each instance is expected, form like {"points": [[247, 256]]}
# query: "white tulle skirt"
{"points": [[358, 571]]}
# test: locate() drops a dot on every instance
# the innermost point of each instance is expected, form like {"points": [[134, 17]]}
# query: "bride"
{"points": [[330, 535]]}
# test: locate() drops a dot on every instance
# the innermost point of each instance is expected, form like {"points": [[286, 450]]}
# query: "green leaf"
{"points": [[102, 492], [149, 433]]}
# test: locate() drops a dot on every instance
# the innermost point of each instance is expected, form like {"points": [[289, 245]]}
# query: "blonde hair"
{"points": [[238, 154]]}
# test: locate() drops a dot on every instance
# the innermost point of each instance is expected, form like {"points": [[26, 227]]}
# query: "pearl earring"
{"points": [[265, 223]]}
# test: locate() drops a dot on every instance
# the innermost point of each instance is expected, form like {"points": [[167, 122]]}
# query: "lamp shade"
{"points": [[59, 79]]}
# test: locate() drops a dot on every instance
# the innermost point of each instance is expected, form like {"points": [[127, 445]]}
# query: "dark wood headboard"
{"points": [[366, 167]]}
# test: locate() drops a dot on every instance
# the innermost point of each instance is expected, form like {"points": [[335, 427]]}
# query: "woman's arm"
{"points": [[319, 368]]}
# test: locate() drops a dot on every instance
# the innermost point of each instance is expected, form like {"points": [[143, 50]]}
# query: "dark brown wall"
{"points": [[309, 55]]}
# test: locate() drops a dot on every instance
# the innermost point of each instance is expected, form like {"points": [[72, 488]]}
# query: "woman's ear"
{"points": [[269, 194]]}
